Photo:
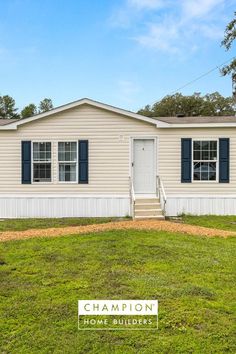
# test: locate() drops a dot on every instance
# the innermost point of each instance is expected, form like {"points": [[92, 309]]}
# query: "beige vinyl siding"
{"points": [[109, 144], [170, 161], [109, 153]]}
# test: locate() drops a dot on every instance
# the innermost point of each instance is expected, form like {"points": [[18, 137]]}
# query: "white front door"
{"points": [[144, 165]]}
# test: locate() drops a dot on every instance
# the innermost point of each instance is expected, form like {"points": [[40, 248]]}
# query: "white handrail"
{"points": [[163, 190], [132, 196], [161, 193]]}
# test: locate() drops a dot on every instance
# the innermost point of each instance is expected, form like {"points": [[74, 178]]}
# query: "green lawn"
{"points": [[212, 221], [26, 224], [192, 277]]}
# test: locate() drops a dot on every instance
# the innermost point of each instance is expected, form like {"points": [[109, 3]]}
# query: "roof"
{"points": [[7, 121], [200, 120], [75, 104], [159, 122]]}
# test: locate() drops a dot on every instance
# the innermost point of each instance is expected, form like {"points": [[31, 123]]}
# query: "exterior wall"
{"points": [[170, 161], [201, 205], [109, 151], [109, 136], [45, 206]]}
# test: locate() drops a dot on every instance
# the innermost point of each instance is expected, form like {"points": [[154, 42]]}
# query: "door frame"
{"points": [[131, 155]]}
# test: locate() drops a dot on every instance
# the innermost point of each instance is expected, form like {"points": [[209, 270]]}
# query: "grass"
{"points": [[192, 277], [212, 221], [26, 224]]}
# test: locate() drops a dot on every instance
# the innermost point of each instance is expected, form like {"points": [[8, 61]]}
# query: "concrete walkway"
{"points": [[119, 225]]}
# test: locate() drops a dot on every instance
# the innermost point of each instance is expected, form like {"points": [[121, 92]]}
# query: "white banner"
{"points": [[118, 307]]}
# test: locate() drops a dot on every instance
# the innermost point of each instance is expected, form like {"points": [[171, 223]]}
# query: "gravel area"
{"points": [[118, 225]]}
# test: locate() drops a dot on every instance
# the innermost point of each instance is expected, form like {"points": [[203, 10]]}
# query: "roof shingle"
{"points": [[7, 121], [196, 120]]}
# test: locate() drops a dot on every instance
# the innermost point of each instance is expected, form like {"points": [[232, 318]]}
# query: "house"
{"points": [[90, 159]]}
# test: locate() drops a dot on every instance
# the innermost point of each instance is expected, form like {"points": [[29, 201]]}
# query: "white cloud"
{"points": [[161, 36], [146, 4], [199, 8], [133, 10], [172, 26]]}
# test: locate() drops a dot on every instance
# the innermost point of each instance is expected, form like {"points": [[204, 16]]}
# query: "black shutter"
{"points": [[26, 162], [224, 160], [83, 161], [186, 160]]}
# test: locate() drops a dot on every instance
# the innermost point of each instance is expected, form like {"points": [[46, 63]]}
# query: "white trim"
{"points": [[216, 161], [96, 196], [196, 125], [14, 125], [32, 162], [76, 162]]}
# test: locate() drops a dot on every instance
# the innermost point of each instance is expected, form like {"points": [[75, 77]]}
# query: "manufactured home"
{"points": [[88, 159]]}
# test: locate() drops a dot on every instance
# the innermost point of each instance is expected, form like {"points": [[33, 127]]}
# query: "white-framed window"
{"points": [[205, 160], [42, 162], [68, 161]]}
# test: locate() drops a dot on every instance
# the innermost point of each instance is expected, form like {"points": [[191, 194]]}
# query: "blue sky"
{"points": [[128, 53]]}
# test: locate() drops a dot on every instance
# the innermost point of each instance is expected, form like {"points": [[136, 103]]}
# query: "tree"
{"points": [[217, 105], [45, 105], [229, 38], [29, 111], [7, 108], [195, 105]]}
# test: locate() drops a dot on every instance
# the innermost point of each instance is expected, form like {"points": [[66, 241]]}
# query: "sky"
{"points": [[127, 53]]}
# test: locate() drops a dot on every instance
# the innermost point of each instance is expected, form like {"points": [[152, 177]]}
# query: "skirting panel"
{"points": [[57, 207], [209, 205]]}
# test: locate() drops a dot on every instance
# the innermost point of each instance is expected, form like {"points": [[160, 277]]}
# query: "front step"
{"points": [[147, 201], [148, 208], [148, 212], [159, 217]]}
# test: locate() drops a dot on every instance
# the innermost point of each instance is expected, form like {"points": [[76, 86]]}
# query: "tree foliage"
{"points": [[229, 38], [29, 111], [8, 109], [212, 104], [45, 105]]}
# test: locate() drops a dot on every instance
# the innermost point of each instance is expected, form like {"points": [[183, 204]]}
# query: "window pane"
{"points": [[213, 145], [42, 172], [212, 166], [67, 172], [42, 151], [204, 176], [197, 166], [212, 176], [204, 166], [205, 145], [197, 155], [73, 156], [67, 151], [67, 156], [213, 155], [205, 155], [196, 145], [196, 171]]}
